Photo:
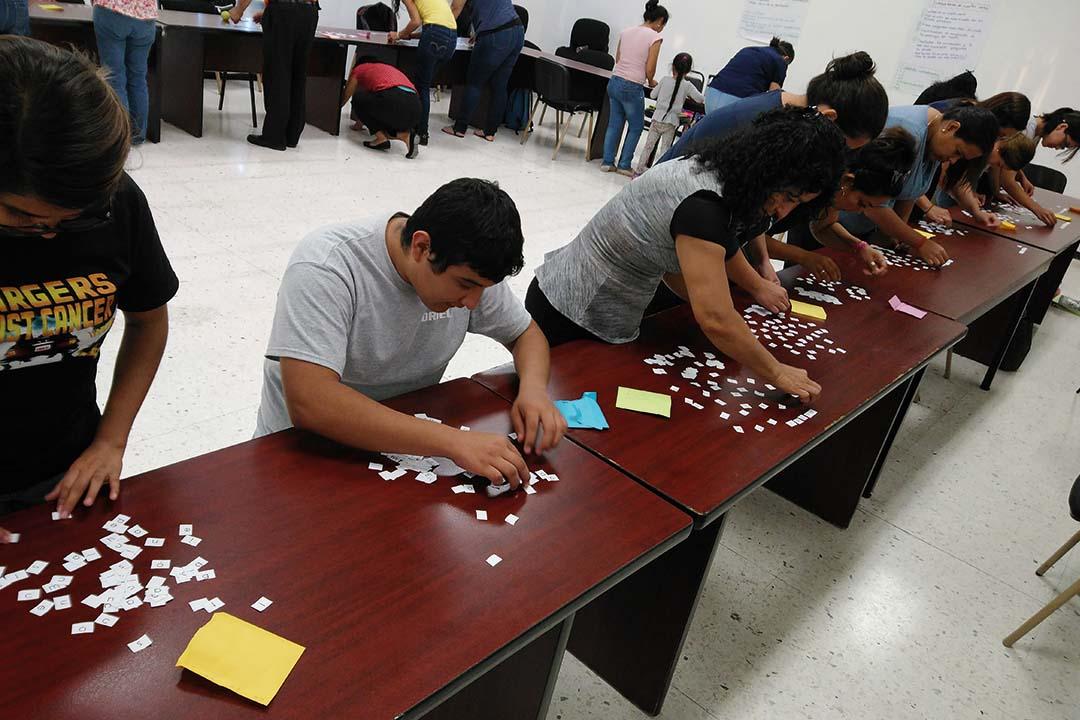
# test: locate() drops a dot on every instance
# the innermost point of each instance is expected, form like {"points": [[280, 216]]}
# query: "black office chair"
{"points": [[523, 15], [553, 90], [376, 18], [1046, 178], [1072, 591], [222, 78], [590, 34]]}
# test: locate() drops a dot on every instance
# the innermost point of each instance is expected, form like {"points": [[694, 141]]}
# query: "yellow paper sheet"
{"points": [[52, 8], [643, 401], [1006, 225], [925, 234], [242, 657], [1063, 217], [807, 310]]}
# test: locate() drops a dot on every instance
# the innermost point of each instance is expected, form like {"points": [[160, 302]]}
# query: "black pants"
{"points": [[288, 33], [557, 327], [389, 111]]}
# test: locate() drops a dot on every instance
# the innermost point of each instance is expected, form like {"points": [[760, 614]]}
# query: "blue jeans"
{"points": [[716, 99], [124, 47], [437, 45], [627, 102], [14, 18], [493, 59]]}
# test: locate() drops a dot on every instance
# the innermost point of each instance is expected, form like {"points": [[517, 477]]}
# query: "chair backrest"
{"points": [[697, 79], [596, 58], [190, 6], [377, 17], [592, 34], [552, 80], [523, 15], [1046, 178], [1074, 499]]}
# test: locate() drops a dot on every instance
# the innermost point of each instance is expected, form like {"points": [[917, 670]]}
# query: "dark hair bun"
{"points": [[651, 4], [855, 66]]}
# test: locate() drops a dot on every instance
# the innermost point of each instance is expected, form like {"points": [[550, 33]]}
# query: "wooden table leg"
{"points": [[1049, 283], [326, 77], [632, 635], [1017, 317], [153, 80], [596, 147], [909, 397], [519, 687], [829, 480], [181, 66]]}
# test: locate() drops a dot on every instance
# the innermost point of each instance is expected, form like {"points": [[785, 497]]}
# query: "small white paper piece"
{"points": [[41, 608], [36, 567], [136, 531], [530, 490], [185, 530], [58, 516], [82, 628], [14, 537], [494, 560], [481, 515], [262, 603], [62, 602], [191, 540], [156, 581], [130, 552], [160, 564], [205, 575], [214, 604], [31, 594], [738, 429], [197, 605], [106, 619], [377, 467], [154, 542], [511, 519], [91, 554], [140, 644]]}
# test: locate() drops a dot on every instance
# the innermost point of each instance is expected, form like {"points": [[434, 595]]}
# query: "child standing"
{"points": [[670, 95], [635, 65]]}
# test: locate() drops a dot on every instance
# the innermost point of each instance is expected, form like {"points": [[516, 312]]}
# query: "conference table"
{"points": [[385, 583], [73, 25], [697, 459], [1061, 241]]}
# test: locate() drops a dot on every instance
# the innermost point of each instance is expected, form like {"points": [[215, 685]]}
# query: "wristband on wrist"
{"points": [[861, 245]]}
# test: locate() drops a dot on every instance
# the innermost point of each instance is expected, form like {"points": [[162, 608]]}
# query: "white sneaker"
{"points": [[607, 168], [627, 172]]}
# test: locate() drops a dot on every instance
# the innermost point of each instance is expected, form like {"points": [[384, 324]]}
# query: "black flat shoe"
{"points": [[413, 149], [262, 142], [423, 139], [384, 145]]}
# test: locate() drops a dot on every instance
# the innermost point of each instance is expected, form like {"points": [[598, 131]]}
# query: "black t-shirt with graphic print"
{"points": [[58, 300]]}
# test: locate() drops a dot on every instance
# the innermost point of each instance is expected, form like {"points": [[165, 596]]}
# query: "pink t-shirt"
{"points": [[138, 9], [634, 44]]}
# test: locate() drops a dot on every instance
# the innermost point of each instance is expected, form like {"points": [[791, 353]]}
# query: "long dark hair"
{"points": [[849, 87], [963, 85], [655, 11], [64, 136], [1071, 118], [681, 64], [1012, 109], [979, 127], [784, 48], [881, 166], [792, 149]]}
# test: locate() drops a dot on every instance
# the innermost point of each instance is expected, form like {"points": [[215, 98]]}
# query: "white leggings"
{"points": [[658, 132]]}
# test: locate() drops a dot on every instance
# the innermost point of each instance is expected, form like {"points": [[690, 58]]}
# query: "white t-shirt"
{"points": [[343, 305], [671, 110]]}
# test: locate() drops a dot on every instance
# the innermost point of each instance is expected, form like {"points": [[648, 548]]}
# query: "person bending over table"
{"points": [[433, 22], [376, 308], [846, 93], [961, 138], [683, 222], [752, 70], [385, 100], [288, 29], [79, 243]]}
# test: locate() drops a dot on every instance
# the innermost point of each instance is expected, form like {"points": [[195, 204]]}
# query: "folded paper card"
{"points": [[925, 234], [1063, 217], [242, 657], [807, 310], [583, 413], [643, 401], [900, 306]]}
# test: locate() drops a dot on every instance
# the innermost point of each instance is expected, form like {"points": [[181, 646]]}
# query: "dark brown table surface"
{"points": [[696, 458], [384, 583], [986, 269], [1029, 230]]}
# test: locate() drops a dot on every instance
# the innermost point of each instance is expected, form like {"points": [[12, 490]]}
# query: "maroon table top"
{"points": [[696, 458], [385, 583], [69, 12], [986, 269], [1029, 230]]}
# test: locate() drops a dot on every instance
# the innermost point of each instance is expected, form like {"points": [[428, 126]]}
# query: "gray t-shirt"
{"points": [[343, 305], [604, 280]]}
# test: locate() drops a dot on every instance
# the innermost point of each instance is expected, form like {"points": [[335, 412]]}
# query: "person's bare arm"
{"points": [[533, 409], [318, 401], [457, 6], [703, 268], [411, 28], [350, 90], [893, 222], [775, 86], [830, 233], [1015, 189], [965, 198], [650, 64], [237, 10], [771, 296], [820, 266]]}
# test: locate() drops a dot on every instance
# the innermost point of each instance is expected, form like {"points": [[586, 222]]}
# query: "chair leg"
{"points": [[529, 125], [251, 92], [582, 128], [258, 81], [223, 79], [1057, 555], [542, 113], [558, 127], [588, 140], [1032, 622], [566, 129], [948, 364], [217, 78]]}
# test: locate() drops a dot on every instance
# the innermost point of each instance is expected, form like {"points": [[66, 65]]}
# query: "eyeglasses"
{"points": [[83, 223]]}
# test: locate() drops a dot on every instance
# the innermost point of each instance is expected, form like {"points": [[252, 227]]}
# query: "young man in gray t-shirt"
{"points": [[377, 308]]}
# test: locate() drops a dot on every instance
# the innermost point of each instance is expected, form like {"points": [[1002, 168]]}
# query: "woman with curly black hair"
{"points": [[684, 222]]}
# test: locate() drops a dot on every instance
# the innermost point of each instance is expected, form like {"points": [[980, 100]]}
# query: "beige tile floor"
{"points": [[900, 616]]}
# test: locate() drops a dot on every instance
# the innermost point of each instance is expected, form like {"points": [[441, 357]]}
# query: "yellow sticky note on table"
{"points": [[644, 401], [807, 310], [52, 8], [1007, 225], [925, 234], [242, 657], [1063, 217]]}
